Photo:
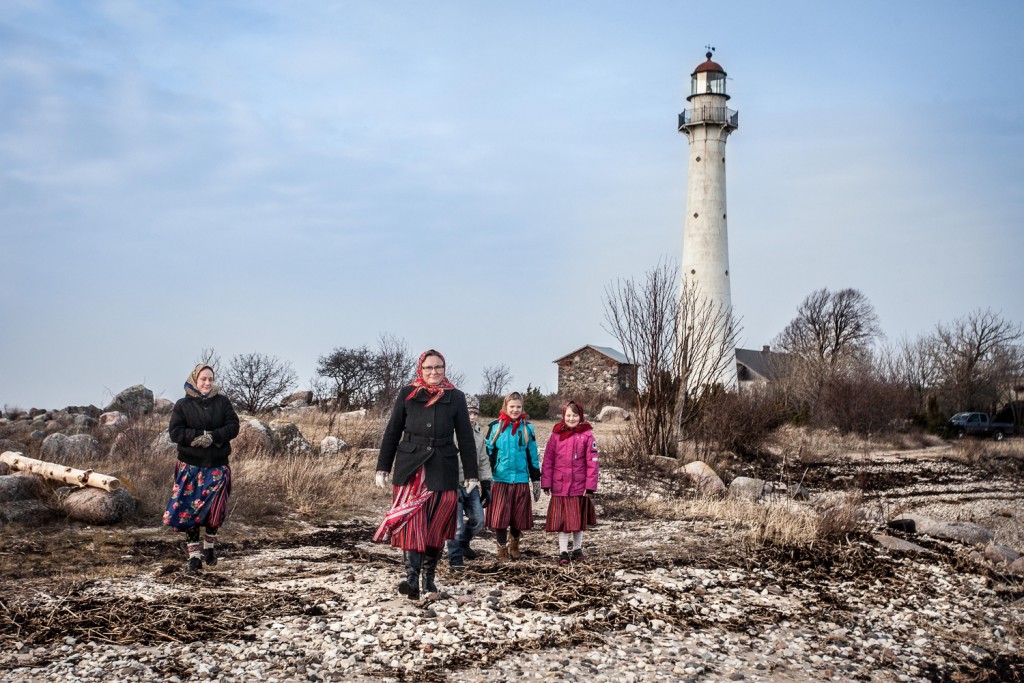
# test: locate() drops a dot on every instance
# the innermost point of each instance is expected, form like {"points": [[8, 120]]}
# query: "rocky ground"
{"points": [[655, 600]]}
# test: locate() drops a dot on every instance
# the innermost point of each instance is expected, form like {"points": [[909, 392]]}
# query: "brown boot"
{"points": [[513, 548], [502, 553]]}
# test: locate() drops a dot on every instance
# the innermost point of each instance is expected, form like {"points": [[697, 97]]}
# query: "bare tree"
{"points": [[350, 374], [977, 359], [352, 378], [209, 356], [497, 379], [255, 381], [680, 341], [830, 337], [456, 377], [395, 367]]}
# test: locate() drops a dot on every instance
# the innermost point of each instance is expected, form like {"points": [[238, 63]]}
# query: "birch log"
{"points": [[62, 473]]}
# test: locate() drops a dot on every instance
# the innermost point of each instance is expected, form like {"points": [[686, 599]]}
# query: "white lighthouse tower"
{"points": [[707, 124]]}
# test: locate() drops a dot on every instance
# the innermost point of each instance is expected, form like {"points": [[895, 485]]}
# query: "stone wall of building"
{"points": [[590, 372]]}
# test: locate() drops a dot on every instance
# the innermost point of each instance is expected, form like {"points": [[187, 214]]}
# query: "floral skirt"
{"points": [[511, 506], [199, 497], [418, 518], [570, 513]]}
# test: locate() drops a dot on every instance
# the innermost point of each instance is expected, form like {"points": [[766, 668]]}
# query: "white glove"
{"points": [[470, 485], [536, 491], [381, 480]]}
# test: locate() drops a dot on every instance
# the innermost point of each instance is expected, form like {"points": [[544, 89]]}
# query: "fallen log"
{"points": [[61, 473]]}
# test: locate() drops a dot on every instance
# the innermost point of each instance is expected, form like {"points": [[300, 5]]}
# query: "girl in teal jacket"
{"points": [[512, 448]]}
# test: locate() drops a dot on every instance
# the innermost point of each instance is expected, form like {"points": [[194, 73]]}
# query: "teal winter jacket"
{"points": [[513, 458]]}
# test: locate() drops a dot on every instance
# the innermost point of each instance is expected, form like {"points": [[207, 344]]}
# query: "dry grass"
{"points": [[990, 455], [803, 444], [265, 485], [775, 521]]}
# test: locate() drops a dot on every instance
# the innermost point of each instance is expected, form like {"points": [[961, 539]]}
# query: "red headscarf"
{"points": [[563, 430], [504, 420], [436, 391]]}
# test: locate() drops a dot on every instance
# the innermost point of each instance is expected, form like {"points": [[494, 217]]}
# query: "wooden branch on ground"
{"points": [[62, 473]]}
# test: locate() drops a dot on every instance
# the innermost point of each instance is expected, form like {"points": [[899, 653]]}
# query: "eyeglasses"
{"points": [[433, 368]]}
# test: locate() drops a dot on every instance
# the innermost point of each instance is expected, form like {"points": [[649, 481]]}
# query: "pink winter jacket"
{"points": [[570, 465]]}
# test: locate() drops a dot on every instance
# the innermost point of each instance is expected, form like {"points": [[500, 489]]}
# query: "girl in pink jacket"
{"points": [[569, 474]]}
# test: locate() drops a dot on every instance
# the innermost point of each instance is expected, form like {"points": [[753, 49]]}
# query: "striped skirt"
{"points": [[570, 513], [418, 518], [511, 506], [199, 497]]}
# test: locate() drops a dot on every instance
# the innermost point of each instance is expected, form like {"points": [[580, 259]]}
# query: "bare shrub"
{"points": [[681, 343], [256, 381], [864, 403], [737, 422]]}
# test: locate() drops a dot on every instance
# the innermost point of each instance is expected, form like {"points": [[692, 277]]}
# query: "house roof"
{"points": [[762, 363], [616, 356]]}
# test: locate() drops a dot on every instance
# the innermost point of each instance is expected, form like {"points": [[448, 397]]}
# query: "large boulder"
{"points": [[135, 400], [893, 543], [705, 479], [163, 406], [254, 438], [747, 488], [54, 446], [1000, 554], [332, 445], [31, 511], [95, 506], [612, 414], [288, 438], [11, 445], [352, 415], [962, 532], [113, 420], [304, 398], [161, 445], [90, 410], [21, 486]]}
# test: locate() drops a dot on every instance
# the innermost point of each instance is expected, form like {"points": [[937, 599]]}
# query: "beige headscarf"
{"points": [[193, 381]]}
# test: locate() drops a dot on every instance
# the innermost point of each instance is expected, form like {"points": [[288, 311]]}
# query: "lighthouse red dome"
{"points": [[708, 66]]}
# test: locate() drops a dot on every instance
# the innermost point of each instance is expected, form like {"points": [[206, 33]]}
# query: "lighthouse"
{"points": [[707, 123]]}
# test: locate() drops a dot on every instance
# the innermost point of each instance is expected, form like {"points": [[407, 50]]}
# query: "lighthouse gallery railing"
{"points": [[723, 115]]}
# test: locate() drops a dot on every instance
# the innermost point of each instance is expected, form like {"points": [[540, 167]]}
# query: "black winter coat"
{"points": [[193, 416], [417, 435]]}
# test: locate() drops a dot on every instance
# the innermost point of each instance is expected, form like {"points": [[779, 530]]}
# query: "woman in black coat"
{"points": [[418, 445], [202, 424]]}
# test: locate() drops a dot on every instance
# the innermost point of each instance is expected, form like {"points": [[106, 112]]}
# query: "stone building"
{"points": [[596, 370]]}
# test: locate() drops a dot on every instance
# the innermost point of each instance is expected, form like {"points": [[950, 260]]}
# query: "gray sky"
{"points": [[287, 178]]}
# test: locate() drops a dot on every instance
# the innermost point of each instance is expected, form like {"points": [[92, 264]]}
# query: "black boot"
{"points": [[410, 585], [429, 567]]}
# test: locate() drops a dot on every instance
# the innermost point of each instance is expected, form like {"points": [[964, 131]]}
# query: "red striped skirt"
{"points": [[511, 506], [418, 518], [570, 513]]}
